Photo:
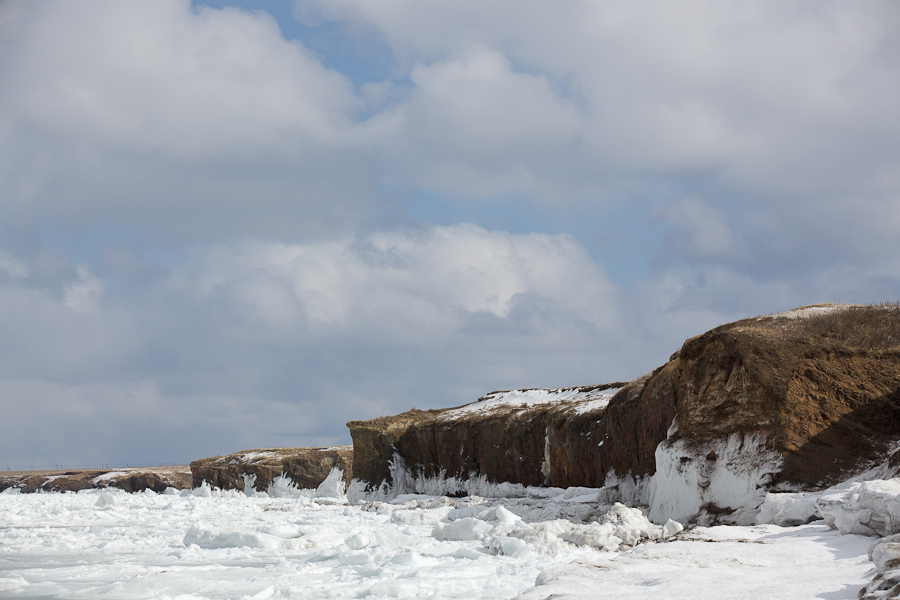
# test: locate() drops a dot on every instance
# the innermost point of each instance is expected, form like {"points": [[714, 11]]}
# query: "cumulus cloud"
{"points": [[767, 94], [174, 118], [240, 338]]}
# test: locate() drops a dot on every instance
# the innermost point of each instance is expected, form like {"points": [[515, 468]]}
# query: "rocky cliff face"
{"points": [[306, 467], [532, 437], [797, 401], [130, 480]]}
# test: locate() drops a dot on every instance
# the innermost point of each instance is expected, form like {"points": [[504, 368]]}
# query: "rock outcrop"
{"points": [[305, 467], [504, 436], [790, 402], [131, 480]]}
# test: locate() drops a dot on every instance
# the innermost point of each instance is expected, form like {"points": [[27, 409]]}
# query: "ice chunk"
{"points": [[508, 546], [284, 530], [505, 516], [390, 537], [867, 508], [105, 500], [333, 486], [788, 510], [671, 528], [249, 482], [214, 537], [418, 516], [468, 528], [729, 474], [885, 553]]}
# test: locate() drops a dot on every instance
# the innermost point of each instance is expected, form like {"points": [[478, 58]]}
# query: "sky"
{"points": [[237, 225]]}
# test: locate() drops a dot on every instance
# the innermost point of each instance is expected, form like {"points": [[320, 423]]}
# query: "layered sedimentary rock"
{"points": [[130, 480], [503, 436], [305, 467], [795, 401]]}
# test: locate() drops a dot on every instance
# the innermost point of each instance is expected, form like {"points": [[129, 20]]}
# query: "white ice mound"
{"points": [[105, 500], [503, 532], [789, 509], [277, 538], [863, 508], [723, 478]]}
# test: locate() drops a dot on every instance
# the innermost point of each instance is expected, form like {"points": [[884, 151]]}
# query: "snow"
{"points": [[110, 475], [205, 543], [809, 311], [589, 399], [722, 563], [252, 457]]}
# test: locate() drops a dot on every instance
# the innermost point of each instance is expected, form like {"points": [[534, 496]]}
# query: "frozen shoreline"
{"points": [[101, 543]]}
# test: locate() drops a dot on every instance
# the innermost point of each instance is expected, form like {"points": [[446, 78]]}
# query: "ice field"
{"points": [[109, 544]]}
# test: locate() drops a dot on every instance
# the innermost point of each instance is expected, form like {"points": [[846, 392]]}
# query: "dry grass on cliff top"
{"points": [[869, 326]]}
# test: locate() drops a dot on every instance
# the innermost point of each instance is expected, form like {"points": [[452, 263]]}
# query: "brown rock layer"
{"points": [[306, 467], [503, 443], [130, 480], [820, 384]]}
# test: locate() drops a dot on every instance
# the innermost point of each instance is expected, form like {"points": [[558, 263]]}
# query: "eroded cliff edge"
{"points": [[305, 467], [795, 401]]}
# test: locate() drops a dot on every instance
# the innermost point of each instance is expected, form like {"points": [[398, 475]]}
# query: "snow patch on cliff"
{"points": [[589, 399], [717, 480], [809, 311]]}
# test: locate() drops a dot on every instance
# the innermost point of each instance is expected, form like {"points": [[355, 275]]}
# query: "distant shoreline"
{"points": [[51, 472]]}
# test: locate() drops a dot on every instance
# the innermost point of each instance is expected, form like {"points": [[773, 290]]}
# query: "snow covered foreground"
{"points": [[105, 544]]}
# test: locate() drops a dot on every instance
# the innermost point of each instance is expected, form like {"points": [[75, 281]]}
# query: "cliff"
{"points": [[795, 401], [138, 479], [305, 467]]}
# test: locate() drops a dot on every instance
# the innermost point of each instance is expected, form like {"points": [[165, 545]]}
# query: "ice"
{"points": [[213, 544], [726, 475], [722, 563], [885, 553], [106, 499], [333, 486], [865, 508], [788, 509]]}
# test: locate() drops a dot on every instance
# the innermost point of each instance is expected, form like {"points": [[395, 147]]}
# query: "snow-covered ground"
{"points": [[109, 544]]}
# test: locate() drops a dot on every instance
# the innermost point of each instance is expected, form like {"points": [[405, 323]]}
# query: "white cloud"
{"points": [[773, 96], [12, 266], [417, 286], [210, 122], [170, 118], [254, 341], [699, 230], [84, 294]]}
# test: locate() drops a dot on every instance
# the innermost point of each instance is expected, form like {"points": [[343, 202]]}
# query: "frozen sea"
{"points": [[110, 544]]}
